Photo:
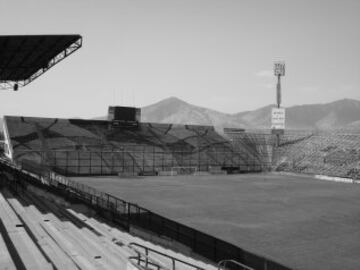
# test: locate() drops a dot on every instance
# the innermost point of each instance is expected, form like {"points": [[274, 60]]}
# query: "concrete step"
{"points": [[6, 261], [108, 233], [28, 252], [73, 236], [58, 258], [57, 231], [107, 236], [68, 247], [8, 216], [127, 238], [86, 240]]}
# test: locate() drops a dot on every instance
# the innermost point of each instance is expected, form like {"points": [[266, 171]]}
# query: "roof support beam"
{"points": [[26, 63]]}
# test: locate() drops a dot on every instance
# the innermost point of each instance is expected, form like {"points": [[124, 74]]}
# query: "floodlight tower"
{"points": [[278, 113], [279, 70]]}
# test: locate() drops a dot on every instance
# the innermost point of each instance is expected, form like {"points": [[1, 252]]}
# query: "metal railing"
{"points": [[222, 265], [143, 261], [174, 261]]}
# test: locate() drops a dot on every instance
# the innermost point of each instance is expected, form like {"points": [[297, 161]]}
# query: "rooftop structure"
{"points": [[26, 57]]}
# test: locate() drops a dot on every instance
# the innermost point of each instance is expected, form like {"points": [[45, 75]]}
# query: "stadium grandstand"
{"points": [[314, 152], [89, 147], [324, 153], [51, 222], [61, 208]]}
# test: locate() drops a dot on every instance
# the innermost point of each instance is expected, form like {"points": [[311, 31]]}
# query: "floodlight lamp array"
{"points": [[279, 68]]}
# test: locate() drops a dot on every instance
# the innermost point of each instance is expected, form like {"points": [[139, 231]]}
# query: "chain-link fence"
{"points": [[141, 161]]}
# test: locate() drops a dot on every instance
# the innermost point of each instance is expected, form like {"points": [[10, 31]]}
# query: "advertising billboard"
{"points": [[278, 118]]}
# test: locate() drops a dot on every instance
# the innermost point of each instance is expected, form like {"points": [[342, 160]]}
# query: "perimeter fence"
{"points": [[130, 215], [140, 161]]}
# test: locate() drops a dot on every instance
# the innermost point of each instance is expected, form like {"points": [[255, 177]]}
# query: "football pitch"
{"points": [[299, 221]]}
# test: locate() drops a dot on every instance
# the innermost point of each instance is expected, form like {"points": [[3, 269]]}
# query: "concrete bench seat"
{"points": [[28, 252], [106, 237], [84, 240], [126, 238], [6, 261], [57, 256], [67, 246], [64, 238]]}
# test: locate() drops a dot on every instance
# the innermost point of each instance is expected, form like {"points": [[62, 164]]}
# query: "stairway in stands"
{"points": [[36, 233]]}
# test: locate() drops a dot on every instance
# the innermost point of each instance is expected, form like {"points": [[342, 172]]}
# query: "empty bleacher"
{"points": [[335, 153], [328, 153], [89, 147], [39, 233], [255, 147]]}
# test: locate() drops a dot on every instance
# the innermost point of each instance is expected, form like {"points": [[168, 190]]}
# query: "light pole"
{"points": [[278, 114], [279, 70]]}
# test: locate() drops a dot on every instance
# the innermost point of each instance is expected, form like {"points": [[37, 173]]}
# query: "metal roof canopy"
{"points": [[25, 58]]}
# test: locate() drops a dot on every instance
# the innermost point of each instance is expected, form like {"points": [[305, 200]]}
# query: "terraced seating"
{"points": [[21, 245], [87, 147], [333, 154], [37, 233], [255, 148], [125, 239], [6, 261], [329, 153], [80, 147]]}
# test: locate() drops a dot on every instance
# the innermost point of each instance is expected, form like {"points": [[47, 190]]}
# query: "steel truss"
{"points": [[5, 84]]}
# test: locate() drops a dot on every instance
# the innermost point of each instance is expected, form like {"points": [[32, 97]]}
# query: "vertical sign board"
{"points": [[278, 118]]}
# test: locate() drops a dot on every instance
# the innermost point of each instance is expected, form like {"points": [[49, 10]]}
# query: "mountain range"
{"points": [[344, 114], [340, 114]]}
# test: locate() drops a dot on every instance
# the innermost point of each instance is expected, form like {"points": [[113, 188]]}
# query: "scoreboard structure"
{"points": [[120, 116]]}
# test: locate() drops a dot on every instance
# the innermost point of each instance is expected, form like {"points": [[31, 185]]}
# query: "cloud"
{"points": [[265, 74]]}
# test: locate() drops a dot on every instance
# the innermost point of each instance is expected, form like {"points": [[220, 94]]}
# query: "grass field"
{"points": [[296, 220]]}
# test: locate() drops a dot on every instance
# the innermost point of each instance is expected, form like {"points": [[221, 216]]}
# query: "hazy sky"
{"points": [[217, 54]]}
